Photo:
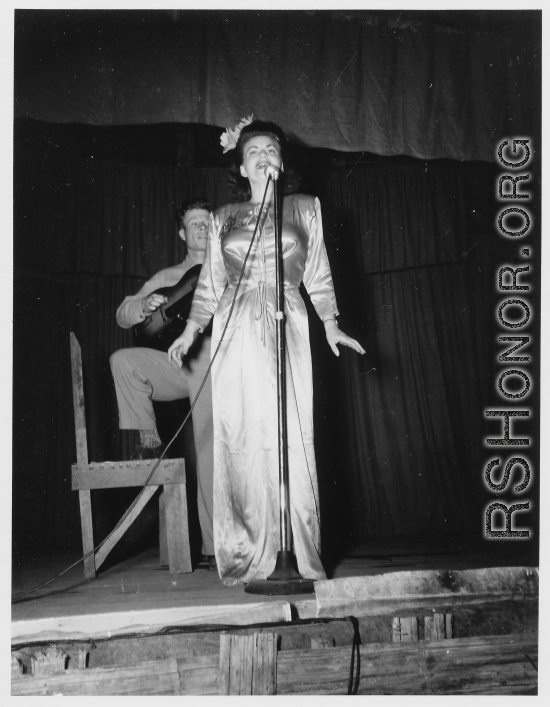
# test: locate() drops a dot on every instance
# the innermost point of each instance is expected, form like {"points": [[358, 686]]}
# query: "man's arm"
{"points": [[135, 308]]}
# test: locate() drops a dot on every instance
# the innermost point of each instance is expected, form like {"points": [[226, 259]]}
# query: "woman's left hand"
{"points": [[335, 336]]}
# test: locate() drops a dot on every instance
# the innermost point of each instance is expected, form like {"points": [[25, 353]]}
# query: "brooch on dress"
{"points": [[228, 226]]}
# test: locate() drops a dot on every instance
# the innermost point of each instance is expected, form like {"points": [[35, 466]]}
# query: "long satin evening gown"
{"points": [[244, 384]]}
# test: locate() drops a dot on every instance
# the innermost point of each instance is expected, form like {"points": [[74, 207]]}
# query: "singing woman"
{"points": [[246, 471]]}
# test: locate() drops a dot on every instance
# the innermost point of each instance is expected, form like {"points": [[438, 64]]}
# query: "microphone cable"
{"points": [[178, 431]]}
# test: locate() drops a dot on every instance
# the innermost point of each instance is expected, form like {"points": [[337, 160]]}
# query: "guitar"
{"points": [[165, 324]]}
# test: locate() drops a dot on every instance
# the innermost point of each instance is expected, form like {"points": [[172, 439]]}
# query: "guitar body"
{"points": [[165, 324]]}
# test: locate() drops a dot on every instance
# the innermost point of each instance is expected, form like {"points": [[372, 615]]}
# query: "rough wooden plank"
{"points": [[223, 668], [448, 625], [78, 401], [104, 550], [513, 675], [157, 677], [375, 594], [199, 675], [87, 528], [248, 664], [177, 529], [163, 544], [118, 623], [82, 455], [435, 627], [481, 665], [16, 667], [109, 475], [321, 642], [324, 671], [240, 665], [499, 664], [264, 675], [404, 629], [49, 661]]}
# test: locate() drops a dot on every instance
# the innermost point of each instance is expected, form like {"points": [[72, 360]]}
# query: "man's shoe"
{"points": [[203, 562], [207, 562], [141, 452]]}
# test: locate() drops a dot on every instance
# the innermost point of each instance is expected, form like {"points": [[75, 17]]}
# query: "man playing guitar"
{"points": [[144, 374]]}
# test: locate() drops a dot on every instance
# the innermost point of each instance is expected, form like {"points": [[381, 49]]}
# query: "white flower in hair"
{"points": [[229, 138]]}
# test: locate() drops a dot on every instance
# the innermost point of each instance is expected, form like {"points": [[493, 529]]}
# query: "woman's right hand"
{"points": [[183, 343]]}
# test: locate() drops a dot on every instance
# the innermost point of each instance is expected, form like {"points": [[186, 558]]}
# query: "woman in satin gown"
{"points": [[244, 382]]}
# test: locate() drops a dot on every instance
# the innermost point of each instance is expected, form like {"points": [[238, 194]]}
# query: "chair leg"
{"points": [[163, 540], [85, 500], [177, 529]]}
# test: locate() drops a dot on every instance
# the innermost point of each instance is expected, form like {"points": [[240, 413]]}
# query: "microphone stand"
{"points": [[285, 578]]}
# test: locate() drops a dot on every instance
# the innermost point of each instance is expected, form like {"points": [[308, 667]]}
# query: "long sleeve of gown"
{"points": [[213, 277], [317, 276]]}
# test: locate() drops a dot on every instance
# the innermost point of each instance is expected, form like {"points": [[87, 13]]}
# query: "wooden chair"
{"points": [[170, 475]]}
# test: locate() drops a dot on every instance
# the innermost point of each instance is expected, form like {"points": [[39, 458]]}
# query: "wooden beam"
{"points": [[110, 475], [87, 527], [494, 665], [437, 627], [155, 677], [52, 660], [78, 401], [177, 529], [84, 498], [16, 667], [448, 625], [163, 541], [200, 675], [248, 664], [321, 642], [497, 665], [408, 590], [230, 657], [264, 674], [405, 629], [119, 623]]}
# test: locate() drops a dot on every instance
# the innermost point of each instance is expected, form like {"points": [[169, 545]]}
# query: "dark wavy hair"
{"points": [[239, 186], [193, 202]]}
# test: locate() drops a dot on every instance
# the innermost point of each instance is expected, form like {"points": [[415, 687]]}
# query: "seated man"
{"points": [[142, 375]]}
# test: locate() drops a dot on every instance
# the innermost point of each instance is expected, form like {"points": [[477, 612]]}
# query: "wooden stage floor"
{"points": [[432, 616], [137, 591]]}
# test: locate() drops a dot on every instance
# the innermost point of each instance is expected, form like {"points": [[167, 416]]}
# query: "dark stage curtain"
{"points": [[349, 81], [398, 431], [100, 216]]}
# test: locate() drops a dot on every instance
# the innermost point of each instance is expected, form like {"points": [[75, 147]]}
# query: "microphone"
{"points": [[272, 171]]}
